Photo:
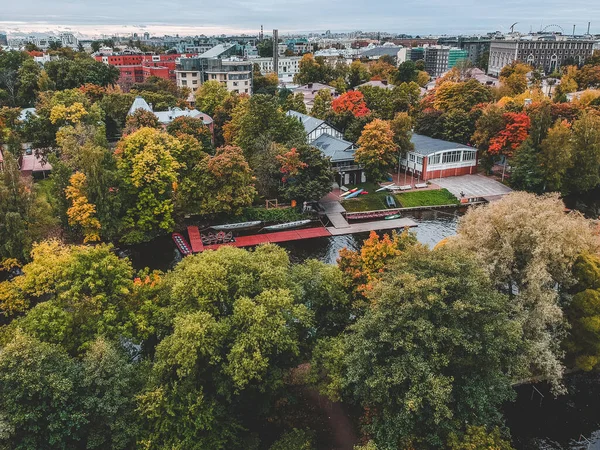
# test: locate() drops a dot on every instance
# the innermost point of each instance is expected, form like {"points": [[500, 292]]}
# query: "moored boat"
{"points": [[236, 226], [351, 191], [288, 225], [393, 216], [182, 244]]}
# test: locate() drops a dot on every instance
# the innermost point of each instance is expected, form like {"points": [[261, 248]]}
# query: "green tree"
{"points": [[528, 246], [73, 73], [556, 155], [148, 171], [322, 105], [479, 438], [295, 102], [407, 72], [584, 174], [462, 95], [313, 180], [210, 96], [401, 126], [432, 352]]}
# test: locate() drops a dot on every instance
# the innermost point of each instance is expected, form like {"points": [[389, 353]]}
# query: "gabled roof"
{"points": [[377, 83], [336, 149], [139, 103], [313, 87], [425, 145], [166, 117], [309, 123]]}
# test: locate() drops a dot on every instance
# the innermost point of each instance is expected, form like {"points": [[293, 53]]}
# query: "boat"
{"points": [[389, 187], [182, 244], [390, 202], [351, 191], [393, 216], [288, 225], [236, 226], [364, 192], [354, 194]]}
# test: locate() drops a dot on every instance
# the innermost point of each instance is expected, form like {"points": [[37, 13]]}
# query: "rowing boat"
{"points": [[181, 244], [393, 216], [236, 226], [351, 191], [288, 225], [354, 194], [388, 187]]}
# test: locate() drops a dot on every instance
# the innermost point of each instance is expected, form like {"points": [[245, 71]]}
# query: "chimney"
{"points": [[385, 82], [309, 85]]}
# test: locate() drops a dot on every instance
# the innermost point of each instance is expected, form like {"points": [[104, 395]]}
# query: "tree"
{"points": [[514, 77], [82, 213], [377, 151], [28, 76], [407, 72], [528, 246], [584, 174], [462, 95], [310, 178], [264, 84], [219, 184], [430, 122], [479, 438], [556, 155], [295, 440], [432, 352], [353, 102], [588, 77], [488, 125], [583, 313], [358, 73], [72, 73], [295, 102], [140, 119], [192, 127], [322, 105], [148, 170], [512, 135], [401, 126], [210, 96], [459, 126]]}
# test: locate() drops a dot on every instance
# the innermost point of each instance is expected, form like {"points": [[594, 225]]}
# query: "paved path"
{"points": [[372, 226], [473, 186], [334, 211]]}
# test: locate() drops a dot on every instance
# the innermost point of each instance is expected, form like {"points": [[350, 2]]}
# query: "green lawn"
{"points": [[427, 198], [376, 200]]}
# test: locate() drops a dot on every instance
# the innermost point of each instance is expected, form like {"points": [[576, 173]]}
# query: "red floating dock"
{"points": [[195, 241], [280, 236]]}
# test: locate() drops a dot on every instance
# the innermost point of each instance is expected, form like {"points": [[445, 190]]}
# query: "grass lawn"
{"points": [[427, 198], [370, 202]]}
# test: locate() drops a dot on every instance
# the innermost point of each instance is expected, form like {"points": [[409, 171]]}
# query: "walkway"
{"points": [[377, 225], [473, 186], [279, 236], [334, 211]]}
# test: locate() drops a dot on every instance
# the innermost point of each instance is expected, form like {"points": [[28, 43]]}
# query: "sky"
{"points": [[185, 17]]}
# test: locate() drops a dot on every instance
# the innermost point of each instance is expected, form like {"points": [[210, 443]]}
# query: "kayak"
{"points": [[354, 194], [351, 191], [236, 226], [393, 216], [181, 244], [364, 192], [288, 225], [388, 187]]}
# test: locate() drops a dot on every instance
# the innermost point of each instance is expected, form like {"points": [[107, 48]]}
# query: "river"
{"points": [[535, 422]]}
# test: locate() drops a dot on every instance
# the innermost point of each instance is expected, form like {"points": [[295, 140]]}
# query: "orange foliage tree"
{"points": [[351, 101], [291, 164], [361, 268], [512, 135]]}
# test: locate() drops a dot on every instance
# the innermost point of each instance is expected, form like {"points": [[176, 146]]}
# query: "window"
{"points": [[451, 157], [235, 83], [468, 155], [184, 82], [194, 81], [434, 159], [411, 157], [183, 75]]}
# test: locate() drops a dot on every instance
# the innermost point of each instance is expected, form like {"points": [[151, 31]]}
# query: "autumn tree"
{"points": [[193, 127], [352, 102], [307, 174], [148, 170], [556, 155], [514, 77], [140, 118], [462, 95], [488, 125], [377, 151], [322, 105], [295, 102], [82, 213], [584, 174], [401, 126], [528, 246], [514, 132]]}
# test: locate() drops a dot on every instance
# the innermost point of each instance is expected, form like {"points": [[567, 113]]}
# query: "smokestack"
{"points": [[276, 51], [261, 33], [573, 30], [589, 23]]}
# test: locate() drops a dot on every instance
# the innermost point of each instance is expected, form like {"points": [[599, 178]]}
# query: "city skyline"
{"points": [[159, 17]]}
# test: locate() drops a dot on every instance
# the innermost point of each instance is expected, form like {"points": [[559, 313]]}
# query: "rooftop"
{"points": [[217, 51], [309, 123], [166, 117], [377, 83], [425, 145], [139, 103], [336, 149]]}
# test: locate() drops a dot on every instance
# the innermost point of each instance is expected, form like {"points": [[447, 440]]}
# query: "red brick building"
{"points": [[435, 158], [138, 68]]}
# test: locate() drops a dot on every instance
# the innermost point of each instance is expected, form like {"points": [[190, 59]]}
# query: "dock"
{"points": [[333, 211], [195, 240], [279, 236], [377, 225]]}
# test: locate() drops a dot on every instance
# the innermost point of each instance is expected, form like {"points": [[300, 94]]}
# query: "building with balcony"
{"points": [[288, 66], [543, 51], [234, 74]]}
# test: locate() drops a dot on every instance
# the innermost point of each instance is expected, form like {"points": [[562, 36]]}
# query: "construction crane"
{"points": [[512, 27]]}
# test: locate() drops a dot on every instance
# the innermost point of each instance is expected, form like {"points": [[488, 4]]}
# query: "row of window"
{"points": [[452, 157]]}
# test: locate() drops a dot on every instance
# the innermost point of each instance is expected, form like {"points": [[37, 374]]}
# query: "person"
{"points": [[462, 194]]}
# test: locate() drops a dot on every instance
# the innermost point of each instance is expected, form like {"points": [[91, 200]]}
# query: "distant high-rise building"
{"points": [[275, 48], [475, 46], [438, 58], [3, 38]]}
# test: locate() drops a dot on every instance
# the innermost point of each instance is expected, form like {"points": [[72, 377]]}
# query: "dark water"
{"points": [[552, 424]]}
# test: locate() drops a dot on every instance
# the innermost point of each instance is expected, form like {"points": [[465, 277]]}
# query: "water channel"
{"points": [[537, 419]]}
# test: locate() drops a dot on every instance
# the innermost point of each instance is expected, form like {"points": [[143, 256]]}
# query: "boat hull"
{"points": [[182, 244], [287, 226], [236, 226]]}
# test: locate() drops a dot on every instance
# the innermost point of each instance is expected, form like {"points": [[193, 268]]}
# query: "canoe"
{"points": [[182, 244], [388, 187], [364, 192], [288, 225], [354, 194], [236, 226], [393, 216], [351, 191]]}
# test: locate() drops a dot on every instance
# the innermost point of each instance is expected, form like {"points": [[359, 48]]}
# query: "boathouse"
{"points": [[435, 158]]}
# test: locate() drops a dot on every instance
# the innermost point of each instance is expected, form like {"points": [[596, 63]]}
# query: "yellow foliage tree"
{"points": [[72, 114], [82, 212]]}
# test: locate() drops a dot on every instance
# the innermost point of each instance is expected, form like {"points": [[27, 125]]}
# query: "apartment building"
{"points": [[233, 73], [544, 51], [288, 66], [438, 58]]}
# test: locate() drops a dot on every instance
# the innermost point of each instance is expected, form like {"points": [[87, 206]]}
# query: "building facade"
{"points": [[438, 58], [288, 66], [435, 158], [474, 46], [234, 74], [546, 52]]}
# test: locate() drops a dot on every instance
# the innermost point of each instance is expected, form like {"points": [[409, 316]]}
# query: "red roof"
{"points": [[280, 236]]}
